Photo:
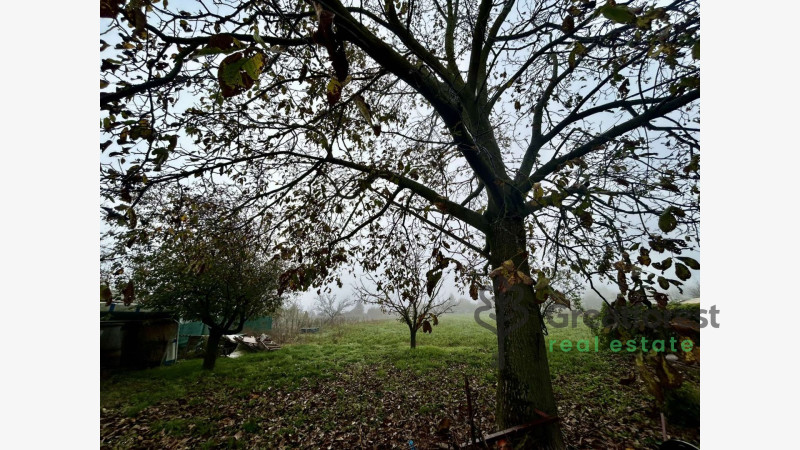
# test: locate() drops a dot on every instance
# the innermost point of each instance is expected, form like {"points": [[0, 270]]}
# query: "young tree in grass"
{"points": [[209, 265], [536, 136], [409, 286], [331, 307]]}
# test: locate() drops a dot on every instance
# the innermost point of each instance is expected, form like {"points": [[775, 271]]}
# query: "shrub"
{"points": [[682, 405]]}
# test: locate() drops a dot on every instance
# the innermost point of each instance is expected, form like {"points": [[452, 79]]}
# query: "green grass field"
{"points": [[361, 386]]}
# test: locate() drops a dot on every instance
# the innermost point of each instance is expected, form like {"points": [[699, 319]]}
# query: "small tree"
{"points": [[357, 313], [208, 267], [410, 288], [330, 307]]}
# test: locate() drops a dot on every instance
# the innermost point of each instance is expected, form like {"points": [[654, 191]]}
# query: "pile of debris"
{"points": [[249, 343]]}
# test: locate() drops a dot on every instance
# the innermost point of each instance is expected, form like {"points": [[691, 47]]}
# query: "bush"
{"points": [[682, 405]]}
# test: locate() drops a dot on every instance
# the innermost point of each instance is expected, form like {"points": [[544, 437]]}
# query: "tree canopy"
{"points": [[204, 263], [530, 136]]}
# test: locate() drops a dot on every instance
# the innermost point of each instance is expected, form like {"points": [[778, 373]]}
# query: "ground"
{"points": [[360, 386]]}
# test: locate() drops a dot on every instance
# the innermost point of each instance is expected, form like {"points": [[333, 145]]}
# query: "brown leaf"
{"points": [[105, 294], [110, 8], [222, 41], [568, 25], [327, 38], [303, 73], [333, 91], [433, 278], [426, 327], [661, 299], [128, 293]]}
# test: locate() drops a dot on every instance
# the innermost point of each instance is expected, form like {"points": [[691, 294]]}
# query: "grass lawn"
{"points": [[361, 386]]}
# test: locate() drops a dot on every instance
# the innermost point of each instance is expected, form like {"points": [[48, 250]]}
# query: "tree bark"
{"points": [[212, 348], [524, 383], [413, 331]]}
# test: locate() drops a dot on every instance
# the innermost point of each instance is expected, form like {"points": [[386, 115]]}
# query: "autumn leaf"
{"points": [[220, 43], [663, 265], [303, 73], [661, 299], [333, 91], [682, 272], [618, 14], [667, 222], [325, 36], [690, 262], [128, 293], [426, 327], [238, 73], [568, 25], [433, 277], [366, 112], [110, 8]]}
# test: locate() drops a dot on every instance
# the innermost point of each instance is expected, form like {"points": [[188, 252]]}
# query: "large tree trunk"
{"points": [[212, 348], [413, 331], [524, 383]]}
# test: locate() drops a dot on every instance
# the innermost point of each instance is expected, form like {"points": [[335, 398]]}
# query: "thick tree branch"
{"points": [[642, 119]]}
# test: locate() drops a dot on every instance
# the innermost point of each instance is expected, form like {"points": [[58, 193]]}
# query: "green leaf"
{"points": [[690, 262], [541, 282], [213, 51], [253, 66], [682, 272], [231, 73], [663, 265], [696, 50], [619, 14], [538, 192], [667, 221], [334, 91], [663, 283], [161, 154], [258, 39]]}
